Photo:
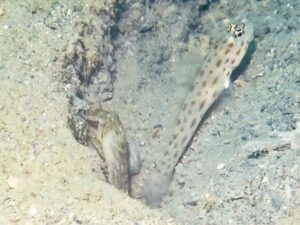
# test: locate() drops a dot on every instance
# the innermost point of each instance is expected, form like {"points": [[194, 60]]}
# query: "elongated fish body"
{"points": [[210, 81], [107, 135]]}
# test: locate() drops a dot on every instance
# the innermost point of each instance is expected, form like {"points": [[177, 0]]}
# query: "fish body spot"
{"points": [[184, 139], [178, 122], [230, 44], [201, 105], [175, 155], [193, 123], [201, 73], [214, 94], [215, 80]]}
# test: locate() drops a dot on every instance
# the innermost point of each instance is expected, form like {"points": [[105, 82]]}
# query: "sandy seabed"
{"points": [[243, 166]]}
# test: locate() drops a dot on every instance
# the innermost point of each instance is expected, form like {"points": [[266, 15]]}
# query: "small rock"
{"points": [[220, 166], [226, 142], [181, 182], [288, 192], [13, 181], [32, 211], [261, 74], [264, 180], [276, 202], [244, 137], [191, 203], [209, 202], [238, 83]]}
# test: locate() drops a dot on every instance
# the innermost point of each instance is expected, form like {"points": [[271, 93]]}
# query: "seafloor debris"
{"points": [[276, 142], [258, 153]]}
